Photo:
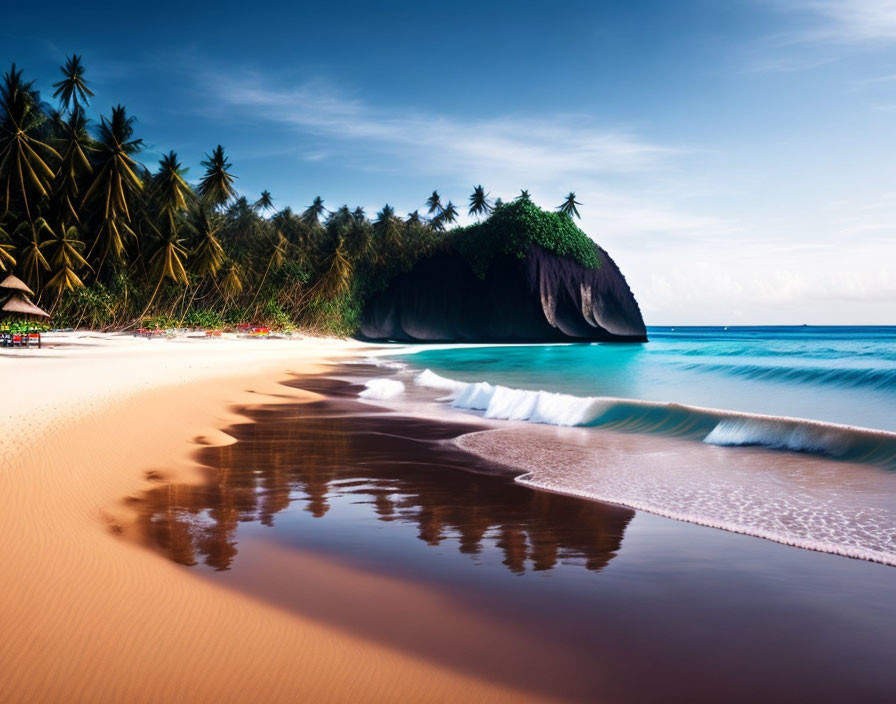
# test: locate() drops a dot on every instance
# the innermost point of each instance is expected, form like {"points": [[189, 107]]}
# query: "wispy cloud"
{"points": [[888, 79], [619, 173], [817, 32], [853, 20], [559, 145]]}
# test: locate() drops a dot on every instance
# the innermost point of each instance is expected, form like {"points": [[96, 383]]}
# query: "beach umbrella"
{"points": [[19, 304], [18, 301], [16, 284]]}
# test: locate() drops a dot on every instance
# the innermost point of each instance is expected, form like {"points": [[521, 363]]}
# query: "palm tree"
{"points": [[568, 207], [116, 183], [232, 283], [387, 229], [314, 212], [278, 251], [23, 157], [434, 203], [33, 259], [265, 202], [72, 89], [337, 273], [524, 196], [449, 214], [479, 204], [73, 144], [358, 239], [340, 220], [207, 256], [170, 189], [275, 261], [216, 187], [168, 261], [171, 194], [66, 259], [418, 237]]}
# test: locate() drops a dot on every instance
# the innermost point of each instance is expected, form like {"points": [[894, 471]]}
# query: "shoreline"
{"points": [[450, 559], [90, 616], [673, 454]]}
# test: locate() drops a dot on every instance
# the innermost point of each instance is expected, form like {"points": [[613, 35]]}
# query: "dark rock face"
{"points": [[544, 298]]}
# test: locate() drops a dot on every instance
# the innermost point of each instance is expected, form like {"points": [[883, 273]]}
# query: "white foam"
{"points": [[382, 388], [807, 543], [799, 500], [431, 380], [802, 437], [474, 396], [506, 403], [381, 363], [538, 406]]}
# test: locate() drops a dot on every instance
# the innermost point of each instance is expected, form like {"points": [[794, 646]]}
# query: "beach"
{"points": [[88, 615], [272, 520]]}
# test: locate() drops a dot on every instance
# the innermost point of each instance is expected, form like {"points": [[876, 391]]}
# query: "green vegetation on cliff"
{"points": [[513, 227]]}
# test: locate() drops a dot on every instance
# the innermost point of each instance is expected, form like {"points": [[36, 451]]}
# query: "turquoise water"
{"points": [[841, 375], [787, 433]]}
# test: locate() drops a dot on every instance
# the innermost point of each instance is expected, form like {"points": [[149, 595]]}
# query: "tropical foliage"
{"points": [[514, 227], [108, 239]]}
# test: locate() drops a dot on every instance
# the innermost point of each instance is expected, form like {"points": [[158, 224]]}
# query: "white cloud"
{"points": [[818, 33], [849, 284], [506, 153], [854, 20], [561, 145]]}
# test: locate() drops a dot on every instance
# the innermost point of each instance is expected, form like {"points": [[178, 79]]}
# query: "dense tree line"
{"points": [[107, 242]]}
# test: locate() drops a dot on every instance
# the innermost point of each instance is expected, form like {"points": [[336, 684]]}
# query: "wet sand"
{"points": [[86, 615], [377, 525]]}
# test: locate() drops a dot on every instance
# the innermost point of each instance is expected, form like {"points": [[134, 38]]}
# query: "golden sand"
{"points": [[87, 616]]}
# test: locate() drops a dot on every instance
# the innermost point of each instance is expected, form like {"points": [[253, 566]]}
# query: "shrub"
{"points": [[208, 319], [516, 226]]}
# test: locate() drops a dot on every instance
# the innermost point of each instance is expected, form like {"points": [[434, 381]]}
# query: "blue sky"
{"points": [[736, 158]]}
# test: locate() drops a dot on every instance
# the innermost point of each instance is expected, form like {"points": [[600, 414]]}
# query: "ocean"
{"points": [[785, 433]]}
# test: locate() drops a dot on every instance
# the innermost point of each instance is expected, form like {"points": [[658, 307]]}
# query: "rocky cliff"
{"points": [[522, 275], [542, 297]]}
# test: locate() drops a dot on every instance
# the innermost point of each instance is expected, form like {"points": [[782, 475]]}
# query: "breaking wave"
{"points": [[382, 389], [712, 426]]}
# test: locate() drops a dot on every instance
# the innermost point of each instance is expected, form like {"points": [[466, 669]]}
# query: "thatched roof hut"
{"points": [[19, 304], [15, 284], [17, 301]]}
